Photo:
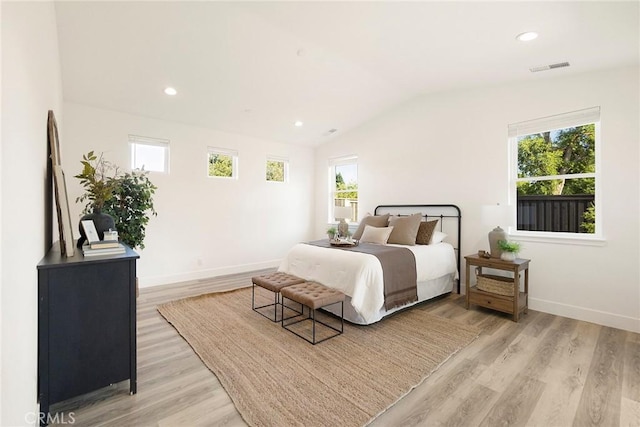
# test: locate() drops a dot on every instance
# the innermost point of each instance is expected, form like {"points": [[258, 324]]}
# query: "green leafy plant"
{"points": [[507, 246], [332, 231], [131, 206], [128, 198], [98, 177]]}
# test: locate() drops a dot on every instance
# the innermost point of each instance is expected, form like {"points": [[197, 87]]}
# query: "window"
{"points": [[150, 154], [555, 175], [343, 186], [277, 169], [223, 163]]}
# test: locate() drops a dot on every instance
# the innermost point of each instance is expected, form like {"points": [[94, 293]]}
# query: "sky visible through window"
{"points": [[349, 173]]}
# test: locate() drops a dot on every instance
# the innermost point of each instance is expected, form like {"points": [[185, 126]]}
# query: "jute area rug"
{"points": [[277, 379]]}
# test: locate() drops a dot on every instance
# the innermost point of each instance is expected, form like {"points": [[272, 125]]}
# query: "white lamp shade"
{"points": [[342, 212], [495, 215]]}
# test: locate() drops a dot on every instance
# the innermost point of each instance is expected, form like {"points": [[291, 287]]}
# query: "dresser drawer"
{"points": [[488, 300]]}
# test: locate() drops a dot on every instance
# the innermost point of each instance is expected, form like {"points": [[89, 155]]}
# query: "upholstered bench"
{"points": [[273, 282], [313, 296]]}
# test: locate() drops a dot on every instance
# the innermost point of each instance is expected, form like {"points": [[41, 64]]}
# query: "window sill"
{"points": [[557, 238]]}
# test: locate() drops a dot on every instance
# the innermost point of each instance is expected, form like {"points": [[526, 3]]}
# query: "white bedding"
{"points": [[359, 275]]}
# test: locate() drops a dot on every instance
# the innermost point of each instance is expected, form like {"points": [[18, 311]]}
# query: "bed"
{"points": [[360, 275]]}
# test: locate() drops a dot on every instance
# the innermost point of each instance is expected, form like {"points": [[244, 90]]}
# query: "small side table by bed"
{"points": [[507, 304]]}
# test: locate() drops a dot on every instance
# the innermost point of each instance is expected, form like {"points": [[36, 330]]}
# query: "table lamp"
{"points": [[341, 213], [493, 215]]}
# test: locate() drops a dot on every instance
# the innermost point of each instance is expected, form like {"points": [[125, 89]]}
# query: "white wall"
{"points": [[205, 226], [452, 148], [31, 86]]}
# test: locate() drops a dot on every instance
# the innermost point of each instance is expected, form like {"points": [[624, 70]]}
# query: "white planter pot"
{"points": [[508, 256]]}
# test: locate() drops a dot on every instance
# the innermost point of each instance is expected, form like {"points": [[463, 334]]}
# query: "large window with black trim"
{"points": [[554, 174]]}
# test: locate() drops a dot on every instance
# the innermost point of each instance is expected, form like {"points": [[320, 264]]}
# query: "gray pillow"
{"points": [[374, 221], [405, 229], [425, 232]]}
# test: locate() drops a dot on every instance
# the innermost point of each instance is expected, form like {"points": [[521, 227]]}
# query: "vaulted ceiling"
{"points": [[255, 68]]}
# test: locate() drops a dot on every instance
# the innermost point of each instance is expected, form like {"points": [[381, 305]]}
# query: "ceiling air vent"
{"points": [[549, 67]]}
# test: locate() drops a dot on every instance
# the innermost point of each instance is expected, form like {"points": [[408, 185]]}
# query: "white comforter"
{"points": [[359, 275]]}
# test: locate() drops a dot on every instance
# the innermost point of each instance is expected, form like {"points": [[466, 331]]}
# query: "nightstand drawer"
{"points": [[494, 301]]}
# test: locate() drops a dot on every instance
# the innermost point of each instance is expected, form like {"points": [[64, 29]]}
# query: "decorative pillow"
{"points": [[405, 229], [374, 221], [425, 231], [378, 235], [438, 236]]}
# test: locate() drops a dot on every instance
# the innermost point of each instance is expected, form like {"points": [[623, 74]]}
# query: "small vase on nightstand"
{"points": [[508, 256]]}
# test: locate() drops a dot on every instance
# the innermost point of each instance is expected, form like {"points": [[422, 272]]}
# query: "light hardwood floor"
{"points": [[543, 371]]}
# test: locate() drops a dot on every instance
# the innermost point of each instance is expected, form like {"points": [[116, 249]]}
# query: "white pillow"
{"points": [[378, 235], [437, 237]]}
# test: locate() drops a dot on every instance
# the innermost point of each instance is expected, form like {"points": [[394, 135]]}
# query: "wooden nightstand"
{"points": [[508, 304]]}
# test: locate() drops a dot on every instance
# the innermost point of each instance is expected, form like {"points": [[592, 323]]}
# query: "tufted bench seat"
{"points": [[273, 282], [313, 296]]}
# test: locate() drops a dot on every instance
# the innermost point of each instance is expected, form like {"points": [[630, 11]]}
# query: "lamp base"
{"points": [[496, 235], [343, 228]]}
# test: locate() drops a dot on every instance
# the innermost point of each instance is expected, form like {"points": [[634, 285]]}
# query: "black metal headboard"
{"points": [[450, 222]]}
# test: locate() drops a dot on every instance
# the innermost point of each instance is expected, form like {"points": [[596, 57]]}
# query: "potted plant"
{"points": [[131, 206], [509, 249], [126, 200], [332, 232], [98, 177]]}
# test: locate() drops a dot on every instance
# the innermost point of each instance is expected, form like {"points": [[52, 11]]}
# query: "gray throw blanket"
{"points": [[398, 270]]}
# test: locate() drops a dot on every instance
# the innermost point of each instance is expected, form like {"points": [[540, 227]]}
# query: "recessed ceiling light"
{"points": [[298, 123], [526, 37], [170, 91]]}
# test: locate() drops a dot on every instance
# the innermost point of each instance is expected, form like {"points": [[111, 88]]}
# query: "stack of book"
{"points": [[103, 247]]}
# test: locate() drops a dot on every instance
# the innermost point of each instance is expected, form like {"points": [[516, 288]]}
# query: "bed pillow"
{"points": [[374, 221], [405, 229], [378, 235], [425, 231], [438, 236]]}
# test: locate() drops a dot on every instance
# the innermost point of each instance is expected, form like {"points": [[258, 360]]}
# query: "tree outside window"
{"points": [[345, 186], [223, 163], [556, 180], [277, 170]]}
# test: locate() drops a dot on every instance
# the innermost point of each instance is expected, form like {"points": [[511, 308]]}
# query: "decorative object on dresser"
{"points": [[98, 179], [132, 206], [115, 201], [496, 292], [56, 178], [86, 324]]}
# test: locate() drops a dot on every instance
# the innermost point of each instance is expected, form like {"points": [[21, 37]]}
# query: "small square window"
{"points": [[150, 154], [222, 163], [277, 170]]}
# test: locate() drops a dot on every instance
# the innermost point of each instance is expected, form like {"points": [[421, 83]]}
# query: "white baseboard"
{"points": [[589, 315], [148, 281]]}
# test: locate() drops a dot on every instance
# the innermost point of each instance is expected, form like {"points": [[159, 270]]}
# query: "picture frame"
{"points": [[64, 215], [65, 229], [90, 231]]}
